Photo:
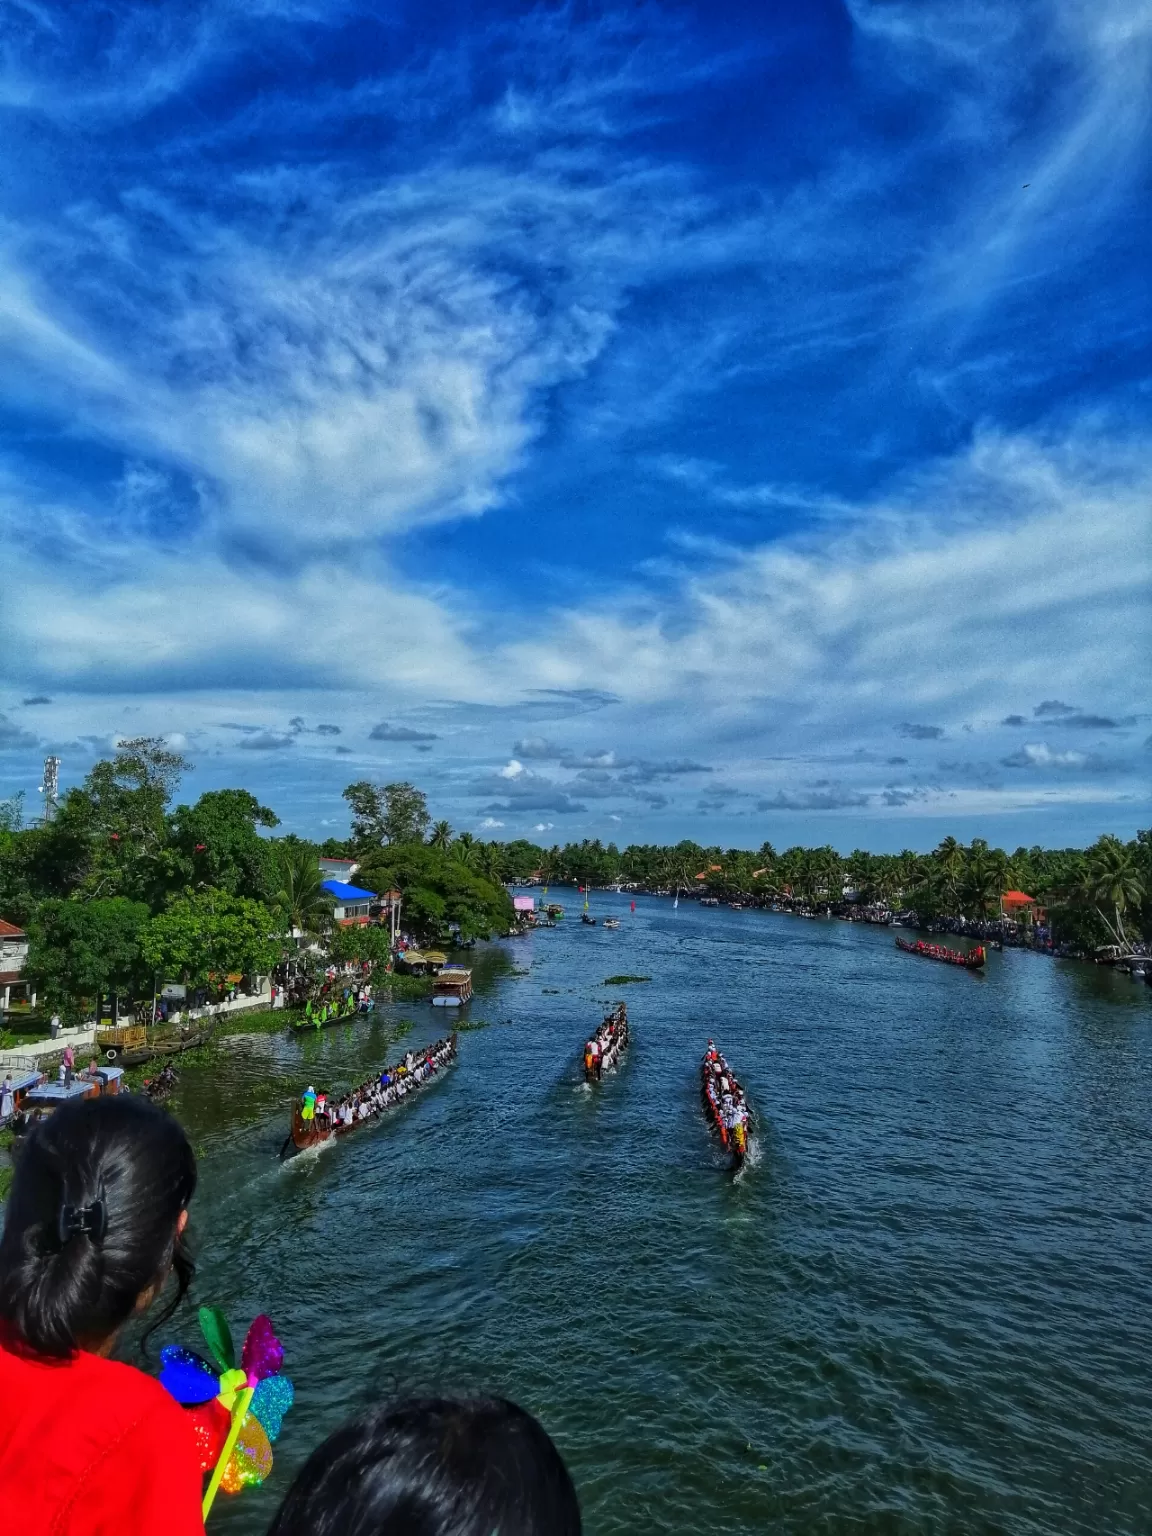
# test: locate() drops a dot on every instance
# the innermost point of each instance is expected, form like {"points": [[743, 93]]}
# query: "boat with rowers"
{"points": [[332, 1008], [319, 1117], [972, 961], [724, 1104], [605, 1047]]}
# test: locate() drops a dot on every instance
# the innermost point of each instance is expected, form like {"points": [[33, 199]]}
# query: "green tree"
{"points": [[299, 895], [441, 896], [216, 843], [1113, 885], [465, 848], [82, 951], [360, 942], [440, 836], [203, 937], [386, 814], [110, 835]]}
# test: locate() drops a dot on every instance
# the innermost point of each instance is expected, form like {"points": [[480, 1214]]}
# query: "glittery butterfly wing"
{"points": [[263, 1353], [188, 1376], [251, 1461], [218, 1337], [271, 1401]]}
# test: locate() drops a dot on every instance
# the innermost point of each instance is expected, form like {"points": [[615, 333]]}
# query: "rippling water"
{"points": [[925, 1306]]}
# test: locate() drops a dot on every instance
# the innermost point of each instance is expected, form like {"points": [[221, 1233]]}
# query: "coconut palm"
{"points": [[300, 896], [464, 848], [982, 884], [949, 858], [441, 836], [1112, 881]]}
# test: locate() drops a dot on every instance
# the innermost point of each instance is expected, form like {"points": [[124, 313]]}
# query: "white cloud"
{"points": [[1039, 755], [512, 770], [490, 824], [546, 826]]}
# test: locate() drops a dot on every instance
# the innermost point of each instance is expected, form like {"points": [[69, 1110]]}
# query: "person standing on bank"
{"points": [[94, 1227]]}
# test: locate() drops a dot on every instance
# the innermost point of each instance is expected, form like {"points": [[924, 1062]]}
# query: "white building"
{"points": [[13, 954]]}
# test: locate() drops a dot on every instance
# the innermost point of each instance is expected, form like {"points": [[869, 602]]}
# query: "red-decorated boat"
{"points": [[724, 1103], [972, 961]]}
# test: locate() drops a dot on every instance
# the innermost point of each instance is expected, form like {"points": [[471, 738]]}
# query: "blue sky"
{"points": [[636, 422]]}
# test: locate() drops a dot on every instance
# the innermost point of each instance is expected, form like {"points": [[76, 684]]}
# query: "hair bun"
{"points": [[83, 1221]]}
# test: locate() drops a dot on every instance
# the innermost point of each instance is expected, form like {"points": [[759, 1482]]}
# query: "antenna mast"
{"points": [[50, 788]]}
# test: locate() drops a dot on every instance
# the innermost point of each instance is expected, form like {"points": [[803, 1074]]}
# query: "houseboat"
{"points": [[452, 988]]}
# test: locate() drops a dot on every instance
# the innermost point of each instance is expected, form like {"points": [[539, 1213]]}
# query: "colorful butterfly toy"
{"points": [[236, 1410]]}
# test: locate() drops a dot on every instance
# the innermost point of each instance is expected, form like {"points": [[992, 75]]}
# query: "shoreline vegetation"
{"points": [[123, 890]]}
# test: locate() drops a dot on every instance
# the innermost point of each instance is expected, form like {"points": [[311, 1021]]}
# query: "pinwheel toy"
{"points": [[237, 1410]]}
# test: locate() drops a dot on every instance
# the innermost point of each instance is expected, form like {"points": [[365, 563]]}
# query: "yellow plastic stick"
{"points": [[243, 1403]]}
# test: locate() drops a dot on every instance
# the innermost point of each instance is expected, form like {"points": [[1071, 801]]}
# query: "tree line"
{"points": [[122, 888]]}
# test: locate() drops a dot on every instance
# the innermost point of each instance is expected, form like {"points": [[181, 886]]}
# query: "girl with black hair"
{"points": [[434, 1467], [94, 1226]]}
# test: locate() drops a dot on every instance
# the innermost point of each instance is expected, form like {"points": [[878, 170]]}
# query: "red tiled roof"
{"points": [[1017, 898], [10, 930]]}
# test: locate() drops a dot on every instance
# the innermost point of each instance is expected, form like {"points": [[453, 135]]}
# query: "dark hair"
{"points": [[91, 1222], [434, 1467]]}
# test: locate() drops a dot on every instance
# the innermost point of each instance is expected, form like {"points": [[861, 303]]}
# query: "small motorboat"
{"points": [[611, 922], [586, 917]]}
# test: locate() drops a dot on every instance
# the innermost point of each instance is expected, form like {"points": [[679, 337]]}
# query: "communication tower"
{"points": [[50, 788]]}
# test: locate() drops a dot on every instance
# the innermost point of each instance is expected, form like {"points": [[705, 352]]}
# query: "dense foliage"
{"points": [[121, 888]]}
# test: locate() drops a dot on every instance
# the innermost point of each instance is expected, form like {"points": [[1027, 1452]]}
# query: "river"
{"points": [[925, 1305]]}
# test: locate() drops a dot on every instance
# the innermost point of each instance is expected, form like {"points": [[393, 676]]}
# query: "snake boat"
{"points": [[320, 1117], [972, 961]]}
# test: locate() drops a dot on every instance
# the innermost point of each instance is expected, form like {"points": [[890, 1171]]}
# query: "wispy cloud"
{"points": [[347, 379]]}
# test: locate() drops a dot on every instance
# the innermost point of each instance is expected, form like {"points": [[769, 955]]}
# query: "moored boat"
{"points": [[452, 988], [725, 1105], [604, 1049], [50, 1093], [972, 961], [318, 1117]]}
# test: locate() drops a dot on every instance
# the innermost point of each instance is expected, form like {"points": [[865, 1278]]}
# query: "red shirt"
{"points": [[90, 1447]]}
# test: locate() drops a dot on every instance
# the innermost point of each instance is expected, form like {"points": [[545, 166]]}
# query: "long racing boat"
{"points": [[724, 1103], [604, 1049], [972, 961], [318, 1117]]}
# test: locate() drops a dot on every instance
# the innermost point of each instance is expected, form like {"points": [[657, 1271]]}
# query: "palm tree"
{"points": [[949, 856], [301, 897], [489, 862], [465, 848], [982, 883], [441, 836], [1113, 880]]}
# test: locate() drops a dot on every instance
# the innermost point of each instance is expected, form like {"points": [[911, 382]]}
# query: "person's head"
{"points": [[434, 1467], [94, 1223]]}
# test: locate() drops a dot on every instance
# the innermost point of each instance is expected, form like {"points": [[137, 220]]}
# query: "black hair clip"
{"points": [[82, 1221]]}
